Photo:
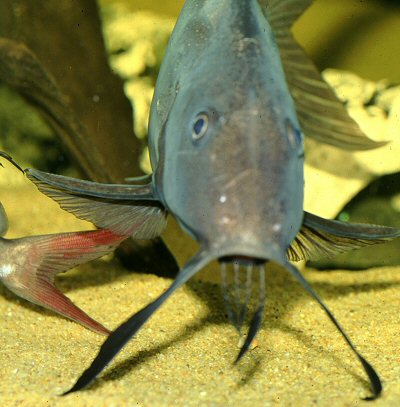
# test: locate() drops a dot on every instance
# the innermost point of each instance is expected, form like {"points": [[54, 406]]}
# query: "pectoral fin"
{"points": [[283, 13], [124, 209], [122, 192], [321, 114], [320, 237]]}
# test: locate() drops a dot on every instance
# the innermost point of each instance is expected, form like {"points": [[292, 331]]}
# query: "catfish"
{"points": [[233, 97]]}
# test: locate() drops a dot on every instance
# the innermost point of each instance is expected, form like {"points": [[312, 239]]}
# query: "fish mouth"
{"points": [[242, 290], [242, 259]]}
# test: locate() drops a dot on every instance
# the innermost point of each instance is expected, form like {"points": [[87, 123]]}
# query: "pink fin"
{"points": [[28, 267], [48, 296]]}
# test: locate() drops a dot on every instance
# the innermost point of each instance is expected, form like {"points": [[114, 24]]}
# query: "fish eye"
{"points": [[295, 136], [200, 126]]}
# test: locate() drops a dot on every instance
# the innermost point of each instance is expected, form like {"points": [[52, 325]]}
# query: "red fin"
{"points": [[28, 267], [48, 296]]}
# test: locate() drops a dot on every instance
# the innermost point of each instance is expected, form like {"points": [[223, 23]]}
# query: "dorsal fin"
{"points": [[321, 114], [283, 13]]}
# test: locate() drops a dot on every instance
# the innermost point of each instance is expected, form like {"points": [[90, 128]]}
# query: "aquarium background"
{"points": [[184, 355]]}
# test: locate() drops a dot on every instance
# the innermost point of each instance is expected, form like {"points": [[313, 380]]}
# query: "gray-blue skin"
{"points": [[239, 147], [226, 149]]}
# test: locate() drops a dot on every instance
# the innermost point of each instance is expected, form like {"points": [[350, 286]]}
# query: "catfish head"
{"points": [[230, 159]]}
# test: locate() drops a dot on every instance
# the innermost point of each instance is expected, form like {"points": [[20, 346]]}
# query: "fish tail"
{"points": [[40, 258]]}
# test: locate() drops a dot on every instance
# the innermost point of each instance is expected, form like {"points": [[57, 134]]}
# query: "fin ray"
{"points": [[40, 258], [320, 237], [321, 114], [91, 188], [283, 13], [139, 219]]}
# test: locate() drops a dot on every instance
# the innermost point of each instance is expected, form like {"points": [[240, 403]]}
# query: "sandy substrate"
{"points": [[183, 356]]}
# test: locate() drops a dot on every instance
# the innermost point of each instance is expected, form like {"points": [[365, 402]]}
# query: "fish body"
{"points": [[225, 141]]}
